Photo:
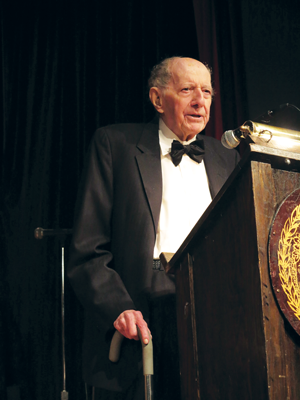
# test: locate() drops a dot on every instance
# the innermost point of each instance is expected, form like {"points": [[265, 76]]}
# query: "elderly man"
{"points": [[141, 194]]}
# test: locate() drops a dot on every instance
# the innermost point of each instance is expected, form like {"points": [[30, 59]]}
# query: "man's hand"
{"points": [[127, 323]]}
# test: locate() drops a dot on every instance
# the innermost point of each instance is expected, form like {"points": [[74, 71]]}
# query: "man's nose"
{"points": [[198, 99]]}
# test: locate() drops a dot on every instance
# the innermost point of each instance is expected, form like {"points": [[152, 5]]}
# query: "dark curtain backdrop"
{"points": [[208, 52], [254, 49], [66, 69], [220, 42], [271, 52]]}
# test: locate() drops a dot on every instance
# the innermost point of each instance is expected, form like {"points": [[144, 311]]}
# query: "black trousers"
{"points": [[135, 392]]}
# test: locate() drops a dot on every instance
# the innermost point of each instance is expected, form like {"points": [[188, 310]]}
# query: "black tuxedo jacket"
{"points": [[115, 226]]}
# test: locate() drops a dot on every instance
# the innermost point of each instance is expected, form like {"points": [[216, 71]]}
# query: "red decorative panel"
{"points": [[284, 258]]}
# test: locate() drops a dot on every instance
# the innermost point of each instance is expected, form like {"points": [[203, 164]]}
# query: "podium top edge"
{"points": [[256, 148]]}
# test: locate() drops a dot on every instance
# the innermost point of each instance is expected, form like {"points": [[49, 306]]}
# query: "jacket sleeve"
{"points": [[91, 267]]}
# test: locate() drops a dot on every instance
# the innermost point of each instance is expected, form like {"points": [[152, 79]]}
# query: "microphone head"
{"points": [[230, 140]]}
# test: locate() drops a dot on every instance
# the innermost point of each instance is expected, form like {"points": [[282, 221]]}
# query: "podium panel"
{"points": [[234, 341]]}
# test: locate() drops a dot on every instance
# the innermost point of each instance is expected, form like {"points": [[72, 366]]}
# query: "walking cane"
{"points": [[147, 349]]}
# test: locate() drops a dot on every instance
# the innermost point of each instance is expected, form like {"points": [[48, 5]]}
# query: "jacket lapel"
{"points": [[216, 173], [149, 165]]}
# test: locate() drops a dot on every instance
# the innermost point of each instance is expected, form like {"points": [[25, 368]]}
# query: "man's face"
{"points": [[185, 103]]}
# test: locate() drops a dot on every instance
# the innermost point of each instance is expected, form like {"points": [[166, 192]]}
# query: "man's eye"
{"points": [[185, 89]]}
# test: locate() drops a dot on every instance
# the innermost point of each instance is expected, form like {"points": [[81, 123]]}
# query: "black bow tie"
{"points": [[195, 151]]}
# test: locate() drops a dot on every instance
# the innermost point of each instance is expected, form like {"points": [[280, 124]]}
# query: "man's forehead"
{"points": [[189, 69], [186, 62]]}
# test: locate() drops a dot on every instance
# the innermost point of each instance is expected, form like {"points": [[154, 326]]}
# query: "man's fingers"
{"points": [[127, 323], [126, 326], [142, 324], [145, 334], [131, 322]]}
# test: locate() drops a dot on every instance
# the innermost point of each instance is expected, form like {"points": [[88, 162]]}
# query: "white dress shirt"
{"points": [[185, 195]]}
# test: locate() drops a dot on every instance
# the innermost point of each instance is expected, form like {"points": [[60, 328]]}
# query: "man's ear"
{"points": [[155, 96]]}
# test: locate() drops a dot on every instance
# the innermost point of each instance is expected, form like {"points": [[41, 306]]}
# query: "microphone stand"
{"points": [[64, 393], [40, 233]]}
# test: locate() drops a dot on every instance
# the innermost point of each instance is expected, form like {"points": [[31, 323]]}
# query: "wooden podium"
{"points": [[234, 341]]}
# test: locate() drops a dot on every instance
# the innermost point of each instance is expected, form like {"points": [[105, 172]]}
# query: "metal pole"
{"points": [[64, 393], [40, 233]]}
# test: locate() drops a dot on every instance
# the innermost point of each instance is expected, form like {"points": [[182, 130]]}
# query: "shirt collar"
{"points": [[166, 137]]}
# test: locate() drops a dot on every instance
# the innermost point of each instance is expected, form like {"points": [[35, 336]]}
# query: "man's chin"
{"points": [[194, 129]]}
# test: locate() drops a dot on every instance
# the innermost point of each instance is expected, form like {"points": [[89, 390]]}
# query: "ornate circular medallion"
{"points": [[284, 258]]}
